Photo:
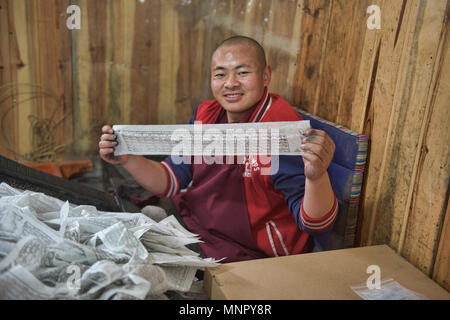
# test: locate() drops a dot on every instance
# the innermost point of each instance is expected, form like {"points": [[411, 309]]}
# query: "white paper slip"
{"points": [[262, 138]]}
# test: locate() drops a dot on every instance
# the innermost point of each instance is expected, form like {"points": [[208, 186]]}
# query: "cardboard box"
{"points": [[318, 276]]}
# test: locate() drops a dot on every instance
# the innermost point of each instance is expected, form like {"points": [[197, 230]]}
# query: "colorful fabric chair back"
{"points": [[346, 175]]}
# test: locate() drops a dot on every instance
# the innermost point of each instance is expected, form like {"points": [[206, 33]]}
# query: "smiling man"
{"points": [[239, 76], [238, 212]]}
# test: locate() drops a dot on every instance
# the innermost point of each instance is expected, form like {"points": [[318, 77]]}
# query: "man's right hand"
{"points": [[107, 144], [148, 173]]}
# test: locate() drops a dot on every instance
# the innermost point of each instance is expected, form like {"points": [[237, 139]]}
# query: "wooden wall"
{"points": [[148, 62], [35, 78]]}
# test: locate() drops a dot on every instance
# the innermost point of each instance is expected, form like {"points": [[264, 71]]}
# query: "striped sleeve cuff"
{"points": [[173, 184], [322, 223]]}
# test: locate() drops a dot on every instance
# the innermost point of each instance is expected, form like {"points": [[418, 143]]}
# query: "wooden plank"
{"points": [[126, 29], [169, 60], [383, 211], [8, 77], [120, 28], [25, 105], [65, 36], [365, 79], [438, 126], [145, 66], [409, 106], [353, 56], [80, 78], [112, 83], [38, 90], [97, 32], [184, 108], [428, 196], [198, 69], [281, 51], [47, 25], [313, 37], [295, 49], [373, 108], [379, 117], [334, 64], [252, 19], [441, 271]]}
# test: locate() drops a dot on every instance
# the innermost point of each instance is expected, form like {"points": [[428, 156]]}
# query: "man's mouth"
{"points": [[233, 97]]}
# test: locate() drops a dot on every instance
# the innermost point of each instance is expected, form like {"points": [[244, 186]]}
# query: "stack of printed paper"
{"points": [[50, 249]]}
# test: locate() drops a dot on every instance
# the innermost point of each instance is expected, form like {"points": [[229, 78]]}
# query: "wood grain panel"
{"points": [[48, 26], [169, 62], [145, 66], [118, 61], [352, 59], [80, 76], [314, 31], [25, 106], [281, 41], [334, 64], [441, 271], [409, 106], [184, 106], [9, 61], [374, 108], [97, 33], [428, 197]]}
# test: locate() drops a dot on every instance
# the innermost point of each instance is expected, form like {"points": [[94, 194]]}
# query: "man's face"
{"points": [[238, 79]]}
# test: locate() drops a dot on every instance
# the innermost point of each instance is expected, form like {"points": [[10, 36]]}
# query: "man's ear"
{"points": [[267, 75]]}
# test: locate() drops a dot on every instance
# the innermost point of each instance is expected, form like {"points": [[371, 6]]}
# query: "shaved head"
{"points": [[239, 75], [243, 40]]}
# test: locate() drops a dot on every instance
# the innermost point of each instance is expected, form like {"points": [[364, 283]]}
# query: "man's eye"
{"points": [[219, 75], [243, 73]]}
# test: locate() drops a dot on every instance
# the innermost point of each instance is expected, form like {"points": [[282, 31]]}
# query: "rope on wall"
{"points": [[44, 143], [46, 147]]}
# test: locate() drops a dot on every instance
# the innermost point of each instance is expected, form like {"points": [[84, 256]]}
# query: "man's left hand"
{"points": [[319, 151]]}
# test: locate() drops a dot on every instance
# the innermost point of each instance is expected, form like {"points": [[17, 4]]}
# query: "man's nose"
{"points": [[231, 82]]}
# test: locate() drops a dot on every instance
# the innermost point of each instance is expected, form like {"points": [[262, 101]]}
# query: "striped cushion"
{"points": [[346, 175]]}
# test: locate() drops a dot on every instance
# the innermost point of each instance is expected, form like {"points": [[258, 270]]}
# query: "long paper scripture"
{"points": [[263, 138]]}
